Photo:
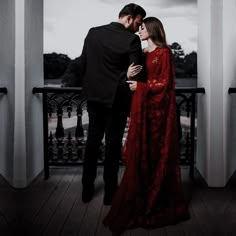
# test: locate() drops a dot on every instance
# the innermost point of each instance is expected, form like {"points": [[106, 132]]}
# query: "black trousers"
{"points": [[110, 122]]}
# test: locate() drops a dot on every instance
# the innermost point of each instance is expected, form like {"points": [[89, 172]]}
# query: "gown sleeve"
{"points": [[162, 76]]}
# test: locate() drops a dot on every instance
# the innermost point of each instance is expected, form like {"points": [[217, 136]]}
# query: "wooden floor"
{"points": [[54, 207]]}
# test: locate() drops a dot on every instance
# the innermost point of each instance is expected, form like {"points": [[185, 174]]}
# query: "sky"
{"points": [[66, 22]]}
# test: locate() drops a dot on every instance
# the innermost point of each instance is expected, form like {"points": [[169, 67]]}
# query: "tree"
{"points": [[178, 53], [190, 64], [55, 65], [177, 50], [72, 77]]}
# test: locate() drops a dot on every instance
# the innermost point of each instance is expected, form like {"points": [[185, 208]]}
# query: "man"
{"points": [[107, 53]]}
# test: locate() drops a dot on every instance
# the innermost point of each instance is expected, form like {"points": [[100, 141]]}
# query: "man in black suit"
{"points": [[107, 53]]}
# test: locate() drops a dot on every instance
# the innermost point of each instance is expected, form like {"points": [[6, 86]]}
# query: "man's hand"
{"points": [[132, 84]]}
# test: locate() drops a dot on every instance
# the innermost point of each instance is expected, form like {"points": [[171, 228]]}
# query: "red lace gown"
{"points": [[150, 193]]}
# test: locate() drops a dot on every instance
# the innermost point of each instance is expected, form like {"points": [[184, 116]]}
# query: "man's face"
{"points": [[136, 22]]}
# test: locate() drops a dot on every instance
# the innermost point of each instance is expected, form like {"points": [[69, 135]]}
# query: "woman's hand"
{"points": [[133, 70], [132, 84]]}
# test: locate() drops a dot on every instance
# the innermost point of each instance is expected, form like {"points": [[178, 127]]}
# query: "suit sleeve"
{"points": [[82, 60], [135, 51], [136, 57]]}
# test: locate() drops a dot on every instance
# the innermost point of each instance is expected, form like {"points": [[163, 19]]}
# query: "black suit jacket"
{"points": [[107, 53]]}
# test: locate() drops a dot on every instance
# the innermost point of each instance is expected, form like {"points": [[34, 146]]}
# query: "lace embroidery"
{"points": [[154, 82], [156, 58]]}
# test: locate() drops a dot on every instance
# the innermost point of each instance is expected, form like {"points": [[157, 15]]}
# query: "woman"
{"points": [[150, 194]]}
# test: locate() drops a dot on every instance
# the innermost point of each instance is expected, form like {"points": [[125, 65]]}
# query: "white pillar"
{"points": [[19, 151], [210, 148], [229, 74], [213, 107], [34, 78], [7, 78], [24, 151]]}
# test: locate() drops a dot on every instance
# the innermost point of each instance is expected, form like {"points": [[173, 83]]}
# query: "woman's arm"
{"points": [[165, 76]]}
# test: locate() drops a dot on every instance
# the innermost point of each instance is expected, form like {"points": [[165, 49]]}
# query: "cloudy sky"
{"points": [[66, 22]]}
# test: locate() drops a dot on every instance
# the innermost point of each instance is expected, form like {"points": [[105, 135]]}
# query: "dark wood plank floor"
{"points": [[54, 207]]}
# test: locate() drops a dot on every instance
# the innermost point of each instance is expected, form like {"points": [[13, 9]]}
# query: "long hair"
{"points": [[156, 31]]}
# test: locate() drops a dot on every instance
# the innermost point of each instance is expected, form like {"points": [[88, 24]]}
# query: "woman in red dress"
{"points": [[150, 193]]}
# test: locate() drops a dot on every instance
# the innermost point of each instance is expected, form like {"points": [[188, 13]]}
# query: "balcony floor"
{"points": [[54, 207]]}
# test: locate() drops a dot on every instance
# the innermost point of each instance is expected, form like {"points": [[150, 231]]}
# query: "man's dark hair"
{"points": [[133, 10]]}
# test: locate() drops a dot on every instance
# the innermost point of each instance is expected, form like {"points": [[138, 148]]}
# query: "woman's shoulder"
{"points": [[158, 51], [166, 50]]}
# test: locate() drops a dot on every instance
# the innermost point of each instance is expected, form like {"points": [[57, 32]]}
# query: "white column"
{"points": [[33, 78], [215, 149], [217, 158], [19, 151], [23, 154], [210, 151], [229, 74], [7, 78]]}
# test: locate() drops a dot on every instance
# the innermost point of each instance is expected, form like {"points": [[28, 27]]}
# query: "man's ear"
{"points": [[129, 19]]}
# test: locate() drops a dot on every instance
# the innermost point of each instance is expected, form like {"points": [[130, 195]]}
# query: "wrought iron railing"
{"points": [[64, 145], [186, 117]]}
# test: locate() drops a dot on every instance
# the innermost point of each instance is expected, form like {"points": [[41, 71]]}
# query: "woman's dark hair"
{"points": [[133, 10], [156, 31]]}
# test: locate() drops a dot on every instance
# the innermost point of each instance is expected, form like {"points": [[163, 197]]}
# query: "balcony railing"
{"points": [[3, 90], [64, 142], [232, 90]]}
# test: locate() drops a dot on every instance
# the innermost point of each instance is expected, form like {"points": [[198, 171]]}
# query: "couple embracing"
{"points": [[120, 80]]}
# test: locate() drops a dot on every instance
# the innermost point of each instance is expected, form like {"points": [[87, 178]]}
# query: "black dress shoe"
{"points": [[87, 194], [107, 200]]}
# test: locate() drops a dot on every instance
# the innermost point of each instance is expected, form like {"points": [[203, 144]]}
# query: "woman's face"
{"points": [[143, 32]]}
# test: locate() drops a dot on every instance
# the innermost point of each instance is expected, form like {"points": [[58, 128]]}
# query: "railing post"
{"points": [[192, 131], [45, 135]]}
